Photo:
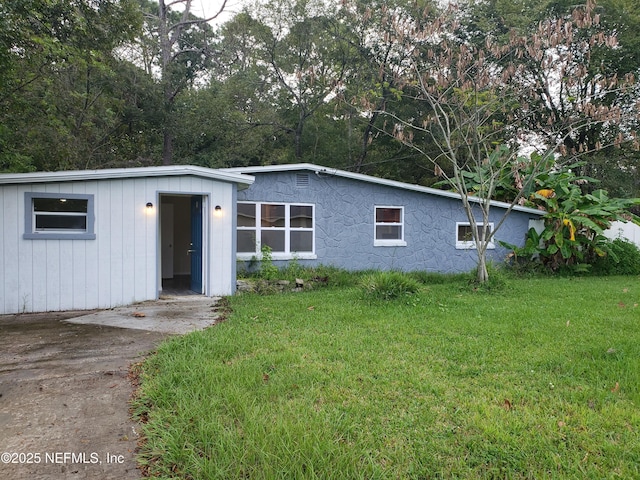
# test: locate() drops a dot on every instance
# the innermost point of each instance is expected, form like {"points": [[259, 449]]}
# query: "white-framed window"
{"points": [[287, 228], [464, 235], [59, 216], [389, 226]]}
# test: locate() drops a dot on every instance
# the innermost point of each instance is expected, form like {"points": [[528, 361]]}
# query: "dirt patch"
{"points": [[64, 396]]}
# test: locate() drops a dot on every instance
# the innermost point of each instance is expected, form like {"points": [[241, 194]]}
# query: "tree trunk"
{"points": [[302, 117], [482, 273], [366, 138], [167, 147]]}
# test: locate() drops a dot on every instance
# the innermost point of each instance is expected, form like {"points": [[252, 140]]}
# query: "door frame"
{"points": [[196, 244], [206, 205]]}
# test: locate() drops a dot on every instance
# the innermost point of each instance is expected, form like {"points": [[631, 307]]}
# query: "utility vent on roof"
{"points": [[302, 180]]}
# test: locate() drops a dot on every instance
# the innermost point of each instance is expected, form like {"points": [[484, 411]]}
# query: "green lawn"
{"points": [[540, 380]]}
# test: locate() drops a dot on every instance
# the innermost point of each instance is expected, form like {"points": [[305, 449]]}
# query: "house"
{"points": [[320, 215], [77, 240]]}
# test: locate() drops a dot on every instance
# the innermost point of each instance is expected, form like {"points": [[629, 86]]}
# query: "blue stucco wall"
{"points": [[344, 223]]}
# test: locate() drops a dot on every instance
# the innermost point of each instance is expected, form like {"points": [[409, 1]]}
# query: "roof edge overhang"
{"points": [[241, 179], [320, 170]]}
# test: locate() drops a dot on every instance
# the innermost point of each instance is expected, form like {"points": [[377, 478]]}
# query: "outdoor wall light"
{"points": [[149, 205], [217, 211]]}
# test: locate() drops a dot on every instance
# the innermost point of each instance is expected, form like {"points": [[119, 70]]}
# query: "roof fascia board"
{"points": [[380, 181], [118, 173]]}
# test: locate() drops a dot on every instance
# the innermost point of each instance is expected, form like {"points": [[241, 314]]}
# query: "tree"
{"points": [[570, 74], [291, 55], [62, 104], [176, 48], [574, 222], [382, 59], [476, 104]]}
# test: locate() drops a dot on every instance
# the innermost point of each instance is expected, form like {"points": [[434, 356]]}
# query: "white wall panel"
{"points": [[628, 231], [120, 266], [116, 238], [103, 202], [87, 281], [11, 273]]}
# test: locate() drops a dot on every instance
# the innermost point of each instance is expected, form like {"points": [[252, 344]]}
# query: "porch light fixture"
{"points": [[149, 205], [217, 211]]}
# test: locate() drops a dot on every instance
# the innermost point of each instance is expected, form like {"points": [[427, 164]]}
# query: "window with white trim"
{"points": [[59, 216], [389, 226], [287, 228], [464, 235]]}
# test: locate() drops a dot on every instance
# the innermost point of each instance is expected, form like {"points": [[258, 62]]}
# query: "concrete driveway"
{"points": [[65, 391]]}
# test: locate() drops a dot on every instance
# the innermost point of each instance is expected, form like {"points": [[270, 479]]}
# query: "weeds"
{"points": [[385, 286]]}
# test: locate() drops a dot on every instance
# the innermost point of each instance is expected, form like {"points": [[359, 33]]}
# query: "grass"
{"points": [[541, 380]]}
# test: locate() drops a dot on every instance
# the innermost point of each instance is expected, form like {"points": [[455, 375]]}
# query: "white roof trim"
{"points": [[117, 173], [368, 178]]}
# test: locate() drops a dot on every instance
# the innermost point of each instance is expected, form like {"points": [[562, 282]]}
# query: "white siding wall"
{"points": [[629, 231], [119, 267]]}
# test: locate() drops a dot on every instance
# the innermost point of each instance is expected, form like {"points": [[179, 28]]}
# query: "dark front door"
{"points": [[196, 243]]}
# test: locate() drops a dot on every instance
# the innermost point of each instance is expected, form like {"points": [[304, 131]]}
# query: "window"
{"points": [[389, 227], [288, 229], [464, 235], [59, 216]]}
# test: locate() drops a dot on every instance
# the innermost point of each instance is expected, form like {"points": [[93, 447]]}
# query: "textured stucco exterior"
{"points": [[344, 222]]}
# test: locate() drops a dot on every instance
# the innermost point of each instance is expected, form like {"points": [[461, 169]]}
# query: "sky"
{"points": [[207, 8]]}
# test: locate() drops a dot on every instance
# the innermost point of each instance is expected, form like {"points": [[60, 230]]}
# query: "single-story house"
{"points": [[75, 240], [320, 215]]}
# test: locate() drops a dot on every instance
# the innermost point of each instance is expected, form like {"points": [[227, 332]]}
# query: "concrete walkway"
{"points": [[65, 386], [171, 314]]}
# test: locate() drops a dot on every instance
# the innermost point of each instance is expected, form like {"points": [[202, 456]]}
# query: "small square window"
{"points": [[464, 235], [59, 216], [389, 227]]}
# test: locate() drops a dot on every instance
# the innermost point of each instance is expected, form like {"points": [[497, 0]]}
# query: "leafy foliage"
{"points": [[574, 222], [623, 258], [86, 85], [267, 269]]}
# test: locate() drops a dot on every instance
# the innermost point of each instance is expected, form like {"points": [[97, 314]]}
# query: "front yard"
{"points": [[539, 380]]}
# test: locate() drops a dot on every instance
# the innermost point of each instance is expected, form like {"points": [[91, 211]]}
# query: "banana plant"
{"points": [[574, 221]]}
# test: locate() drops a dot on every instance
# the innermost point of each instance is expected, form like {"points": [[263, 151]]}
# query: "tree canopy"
{"points": [[136, 82]]}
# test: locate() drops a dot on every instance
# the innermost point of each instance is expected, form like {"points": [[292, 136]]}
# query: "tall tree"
{"points": [[175, 47], [59, 101], [382, 59], [478, 102], [568, 76], [295, 59]]}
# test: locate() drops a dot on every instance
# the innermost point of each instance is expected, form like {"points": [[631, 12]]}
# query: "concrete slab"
{"points": [[170, 314]]}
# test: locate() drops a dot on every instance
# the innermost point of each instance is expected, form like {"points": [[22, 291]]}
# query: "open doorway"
{"points": [[181, 243]]}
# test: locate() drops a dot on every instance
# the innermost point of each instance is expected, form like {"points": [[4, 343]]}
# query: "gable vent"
{"points": [[302, 180]]}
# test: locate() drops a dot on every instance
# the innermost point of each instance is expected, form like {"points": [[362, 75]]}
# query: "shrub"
{"points": [[623, 258], [388, 285], [267, 270]]}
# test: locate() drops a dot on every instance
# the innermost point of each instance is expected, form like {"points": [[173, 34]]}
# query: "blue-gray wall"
{"points": [[344, 223]]}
